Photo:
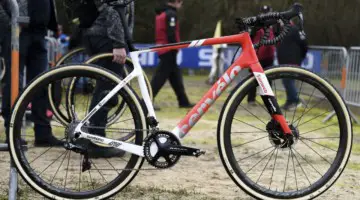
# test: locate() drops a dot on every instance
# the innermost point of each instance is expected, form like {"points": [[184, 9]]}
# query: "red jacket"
{"points": [[264, 52], [167, 27]]}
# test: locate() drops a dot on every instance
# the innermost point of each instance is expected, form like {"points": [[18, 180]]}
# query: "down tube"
{"points": [[205, 103]]}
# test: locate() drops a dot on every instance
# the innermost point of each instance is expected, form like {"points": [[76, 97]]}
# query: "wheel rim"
{"points": [[65, 158], [268, 156]]}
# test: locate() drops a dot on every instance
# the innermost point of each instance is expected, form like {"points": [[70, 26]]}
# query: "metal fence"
{"points": [[333, 64], [54, 50], [352, 89]]}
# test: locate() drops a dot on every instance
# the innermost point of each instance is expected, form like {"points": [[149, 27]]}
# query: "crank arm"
{"points": [[184, 151]]}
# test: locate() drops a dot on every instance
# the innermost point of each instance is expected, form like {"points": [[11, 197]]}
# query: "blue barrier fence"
{"points": [[200, 57]]}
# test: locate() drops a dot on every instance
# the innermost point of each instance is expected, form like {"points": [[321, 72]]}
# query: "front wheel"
{"points": [[252, 148]]}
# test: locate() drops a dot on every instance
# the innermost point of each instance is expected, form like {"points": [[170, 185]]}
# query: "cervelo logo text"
{"points": [[265, 88], [217, 89]]}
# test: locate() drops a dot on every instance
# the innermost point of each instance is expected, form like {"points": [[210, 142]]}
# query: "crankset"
{"points": [[163, 150]]}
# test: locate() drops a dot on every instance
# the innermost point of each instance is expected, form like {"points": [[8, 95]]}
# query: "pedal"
{"points": [[200, 153]]}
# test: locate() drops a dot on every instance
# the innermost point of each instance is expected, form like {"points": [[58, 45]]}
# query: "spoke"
{"points": [[316, 151], [314, 118], [301, 168], [277, 151], [253, 115], [40, 155], [122, 121], [250, 125], [317, 144], [251, 132], [318, 129], [67, 170], [111, 165], [52, 163], [287, 168], [60, 124], [308, 163], [298, 97], [265, 166], [260, 160], [81, 157], [241, 159], [320, 138], [87, 105], [263, 107], [123, 159], [46, 124], [292, 158], [275, 88], [59, 167], [317, 103], [99, 171], [250, 141], [306, 106], [91, 182]]}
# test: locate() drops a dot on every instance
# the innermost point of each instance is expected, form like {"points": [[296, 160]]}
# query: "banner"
{"points": [[200, 57]]}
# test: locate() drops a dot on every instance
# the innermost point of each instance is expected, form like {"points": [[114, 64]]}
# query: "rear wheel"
{"points": [[251, 144], [59, 173]]}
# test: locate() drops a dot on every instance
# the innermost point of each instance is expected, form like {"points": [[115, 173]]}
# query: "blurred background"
{"points": [[329, 22]]}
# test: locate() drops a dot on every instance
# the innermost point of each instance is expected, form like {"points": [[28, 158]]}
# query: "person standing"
{"points": [[292, 50], [103, 32], [168, 31], [63, 40], [264, 53], [33, 55]]}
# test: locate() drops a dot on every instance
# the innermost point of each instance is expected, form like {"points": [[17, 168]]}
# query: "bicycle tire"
{"points": [[236, 170], [18, 153]]}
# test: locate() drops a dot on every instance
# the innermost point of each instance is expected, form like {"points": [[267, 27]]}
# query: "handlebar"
{"points": [[272, 17], [268, 19]]}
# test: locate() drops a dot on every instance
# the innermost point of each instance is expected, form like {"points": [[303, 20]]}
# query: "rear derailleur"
{"points": [[86, 164], [163, 150]]}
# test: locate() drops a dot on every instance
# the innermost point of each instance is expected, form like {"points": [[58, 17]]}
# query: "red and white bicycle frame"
{"points": [[247, 59]]}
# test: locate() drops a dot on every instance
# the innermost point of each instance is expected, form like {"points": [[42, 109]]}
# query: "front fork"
{"points": [[268, 97]]}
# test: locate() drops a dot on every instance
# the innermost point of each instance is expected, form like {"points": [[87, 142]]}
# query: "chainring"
{"points": [[154, 152]]}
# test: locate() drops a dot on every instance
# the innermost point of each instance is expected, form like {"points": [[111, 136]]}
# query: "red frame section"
{"points": [[247, 59]]}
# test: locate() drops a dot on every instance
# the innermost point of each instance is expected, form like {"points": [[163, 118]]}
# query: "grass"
{"points": [[353, 166]]}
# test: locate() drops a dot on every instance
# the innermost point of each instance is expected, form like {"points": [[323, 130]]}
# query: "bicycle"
{"points": [[278, 142]]}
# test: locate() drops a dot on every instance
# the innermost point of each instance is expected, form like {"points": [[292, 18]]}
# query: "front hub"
{"points": [[278, 138]]}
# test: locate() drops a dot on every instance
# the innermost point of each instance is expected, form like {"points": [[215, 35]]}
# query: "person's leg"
{"points": [[98, 45], [162, 73], [6, 87], [36, 63], [177, 83], [291, 91]]}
